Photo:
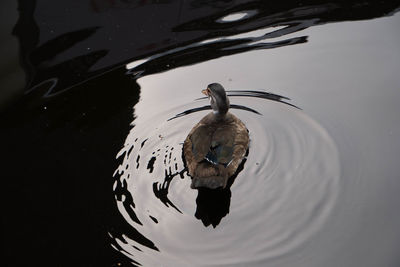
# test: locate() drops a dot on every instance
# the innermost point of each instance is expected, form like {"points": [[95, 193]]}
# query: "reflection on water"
{"points": [[213, 205], [280, 181], [104, 34], [319, 186], [218, 47], [302, 183], [238, 16], [280, 202]]}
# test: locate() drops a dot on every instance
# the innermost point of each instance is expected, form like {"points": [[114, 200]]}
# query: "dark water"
{"points": [[94, 169]]}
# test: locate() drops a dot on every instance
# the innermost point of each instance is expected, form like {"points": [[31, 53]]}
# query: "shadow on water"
{"points": [[213, 204], [69, 128]]}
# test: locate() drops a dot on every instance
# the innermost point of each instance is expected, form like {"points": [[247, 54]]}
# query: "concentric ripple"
{"points": [[283, 195]]}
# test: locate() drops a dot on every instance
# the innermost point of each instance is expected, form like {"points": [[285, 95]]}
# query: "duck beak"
{"points": [[206, 92]]}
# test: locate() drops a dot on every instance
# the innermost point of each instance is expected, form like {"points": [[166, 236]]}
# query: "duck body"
{"points": [[214, 148]]}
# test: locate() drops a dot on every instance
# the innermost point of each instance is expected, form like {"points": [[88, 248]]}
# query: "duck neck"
{"points": [[219, 106], [218, 115]]}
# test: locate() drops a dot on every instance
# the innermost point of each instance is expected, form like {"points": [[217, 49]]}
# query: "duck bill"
{"points": [[206, 92]]}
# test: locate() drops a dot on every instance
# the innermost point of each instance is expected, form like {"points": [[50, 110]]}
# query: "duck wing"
{"points": [[220, 150], [222, 145], [199, 141]]}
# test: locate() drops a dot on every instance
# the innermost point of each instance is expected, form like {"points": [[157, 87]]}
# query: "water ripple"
{"points": [[282, 196]]}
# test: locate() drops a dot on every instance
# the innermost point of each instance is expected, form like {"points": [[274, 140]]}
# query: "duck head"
{"points": [[218, 99]]}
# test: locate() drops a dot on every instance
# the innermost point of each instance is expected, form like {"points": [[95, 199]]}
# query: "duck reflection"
{"points": [[214, 204]]}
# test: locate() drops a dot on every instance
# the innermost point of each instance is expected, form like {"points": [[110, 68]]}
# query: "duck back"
{"points": [[214, 149]]}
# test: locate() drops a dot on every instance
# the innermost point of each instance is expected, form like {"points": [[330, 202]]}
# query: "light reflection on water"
{"points": [[309, 174], [237, 16]]}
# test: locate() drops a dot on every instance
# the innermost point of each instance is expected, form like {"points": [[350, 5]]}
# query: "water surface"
{"points": [[94, 111], [318, 183]]}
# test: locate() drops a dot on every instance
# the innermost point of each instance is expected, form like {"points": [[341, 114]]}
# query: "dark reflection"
{"points": [[213, 204], [242, 93], [150, 164], [177, 42], [123, 195], [223, 35], [27, 31], [59, 44], [38, 61], [192, 54], [81, 64], [67, 147], [161, 190], [61, 138]]}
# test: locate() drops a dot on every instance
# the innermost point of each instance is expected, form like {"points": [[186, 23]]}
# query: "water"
{"points": [[283, 195], [93, 168], [318, 184]]}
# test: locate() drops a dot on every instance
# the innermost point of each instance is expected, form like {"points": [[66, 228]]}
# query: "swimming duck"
{"points": [[216, 145]]}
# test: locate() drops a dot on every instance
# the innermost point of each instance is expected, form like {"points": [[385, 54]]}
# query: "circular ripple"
{"points": [[283, 195]]}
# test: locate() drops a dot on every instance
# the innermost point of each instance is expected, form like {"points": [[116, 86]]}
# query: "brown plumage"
{"points": [[216, 145]]}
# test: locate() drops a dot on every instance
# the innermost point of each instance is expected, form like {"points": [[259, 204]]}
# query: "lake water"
{"points": [[319, 186], [101, 94]]}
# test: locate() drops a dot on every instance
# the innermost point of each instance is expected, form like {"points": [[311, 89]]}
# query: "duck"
{"points": [[217, 144]]}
